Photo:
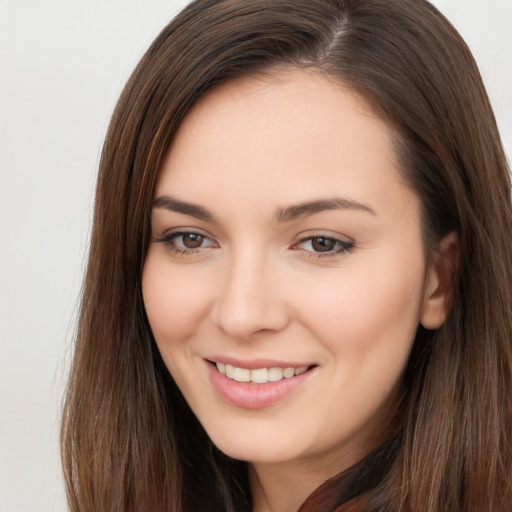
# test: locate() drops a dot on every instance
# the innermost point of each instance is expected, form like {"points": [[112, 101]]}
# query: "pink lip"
{"points": [[255, 396], [254, 364]]}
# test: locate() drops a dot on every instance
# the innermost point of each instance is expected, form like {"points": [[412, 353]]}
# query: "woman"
{"points": [[298, 285]]}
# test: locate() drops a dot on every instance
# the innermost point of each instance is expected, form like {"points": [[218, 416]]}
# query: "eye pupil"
{"points": [[192, 240], [323, 244]]}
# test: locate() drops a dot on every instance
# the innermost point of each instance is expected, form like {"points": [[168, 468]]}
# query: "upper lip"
{"points": [[253, 364]]}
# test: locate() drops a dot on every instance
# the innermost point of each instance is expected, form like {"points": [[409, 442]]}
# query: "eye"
{"points": [[321, 246], [186, 242], [189, 240]]}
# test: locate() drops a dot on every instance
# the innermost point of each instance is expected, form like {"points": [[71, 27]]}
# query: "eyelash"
{"points": [[169, 240], [339, 246], [342, 246]]}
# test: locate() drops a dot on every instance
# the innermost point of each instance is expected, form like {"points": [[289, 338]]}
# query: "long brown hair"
{"points": [[129, 441]]}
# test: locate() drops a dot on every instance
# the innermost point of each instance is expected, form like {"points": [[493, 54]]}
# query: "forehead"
{"points": [[295, 104], [288, 136]]}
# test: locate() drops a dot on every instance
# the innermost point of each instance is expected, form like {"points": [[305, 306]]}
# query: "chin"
{"points": [[253, 448]]}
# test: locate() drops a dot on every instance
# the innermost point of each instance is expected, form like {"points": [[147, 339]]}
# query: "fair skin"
{"points": [[238, 273]]}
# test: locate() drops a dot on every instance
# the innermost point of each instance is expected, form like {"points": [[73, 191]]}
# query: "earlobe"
{"points": [[437, 301]]}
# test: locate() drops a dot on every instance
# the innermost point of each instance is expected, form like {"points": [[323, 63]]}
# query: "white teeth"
{"points": [[242, 375], [300, 370], [259, 375], [230, 371], [275, 374], [288, 372]]}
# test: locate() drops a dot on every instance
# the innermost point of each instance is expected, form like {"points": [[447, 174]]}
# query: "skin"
{"points": [[257, 287]]}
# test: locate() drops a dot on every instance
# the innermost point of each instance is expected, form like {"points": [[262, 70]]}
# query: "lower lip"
{"points": [[255, 396]]}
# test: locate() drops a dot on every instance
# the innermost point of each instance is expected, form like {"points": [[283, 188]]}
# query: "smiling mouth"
{"points": [[259, 375]]}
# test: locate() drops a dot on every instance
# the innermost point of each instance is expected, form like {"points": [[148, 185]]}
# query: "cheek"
{"points": [[366, 311], [367, 323], [174, 302]]}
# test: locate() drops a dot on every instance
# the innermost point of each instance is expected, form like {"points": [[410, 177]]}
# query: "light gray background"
{"points": [[62, 66]]}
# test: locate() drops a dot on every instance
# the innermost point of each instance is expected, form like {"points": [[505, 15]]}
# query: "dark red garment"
{"points": [[347, 491], [355, 505]]}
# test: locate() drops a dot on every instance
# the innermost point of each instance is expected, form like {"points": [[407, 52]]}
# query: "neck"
{"points": [[284, 486], [279, 490]]}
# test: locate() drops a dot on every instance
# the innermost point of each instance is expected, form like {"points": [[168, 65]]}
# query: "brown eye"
{"points": [[192, 240], [187, 242], [323, 244]]}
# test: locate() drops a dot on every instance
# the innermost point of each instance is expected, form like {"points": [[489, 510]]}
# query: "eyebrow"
{"points": [[307, 208], [284, 214], [175, 205]]}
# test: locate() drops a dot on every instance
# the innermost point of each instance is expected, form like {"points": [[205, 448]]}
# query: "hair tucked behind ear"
{"points": [[129, 442]]}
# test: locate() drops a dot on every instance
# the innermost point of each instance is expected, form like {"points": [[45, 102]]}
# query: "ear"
{"points": [[437, 300]]}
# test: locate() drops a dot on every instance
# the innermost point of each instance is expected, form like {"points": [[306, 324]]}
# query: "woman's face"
{"points": [[286, 275]]}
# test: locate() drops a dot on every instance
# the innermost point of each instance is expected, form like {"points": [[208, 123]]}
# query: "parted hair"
{"points": [[129, 441]]}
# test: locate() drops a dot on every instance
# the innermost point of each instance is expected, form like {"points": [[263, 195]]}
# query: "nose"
{"points": [[250, 298]]}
